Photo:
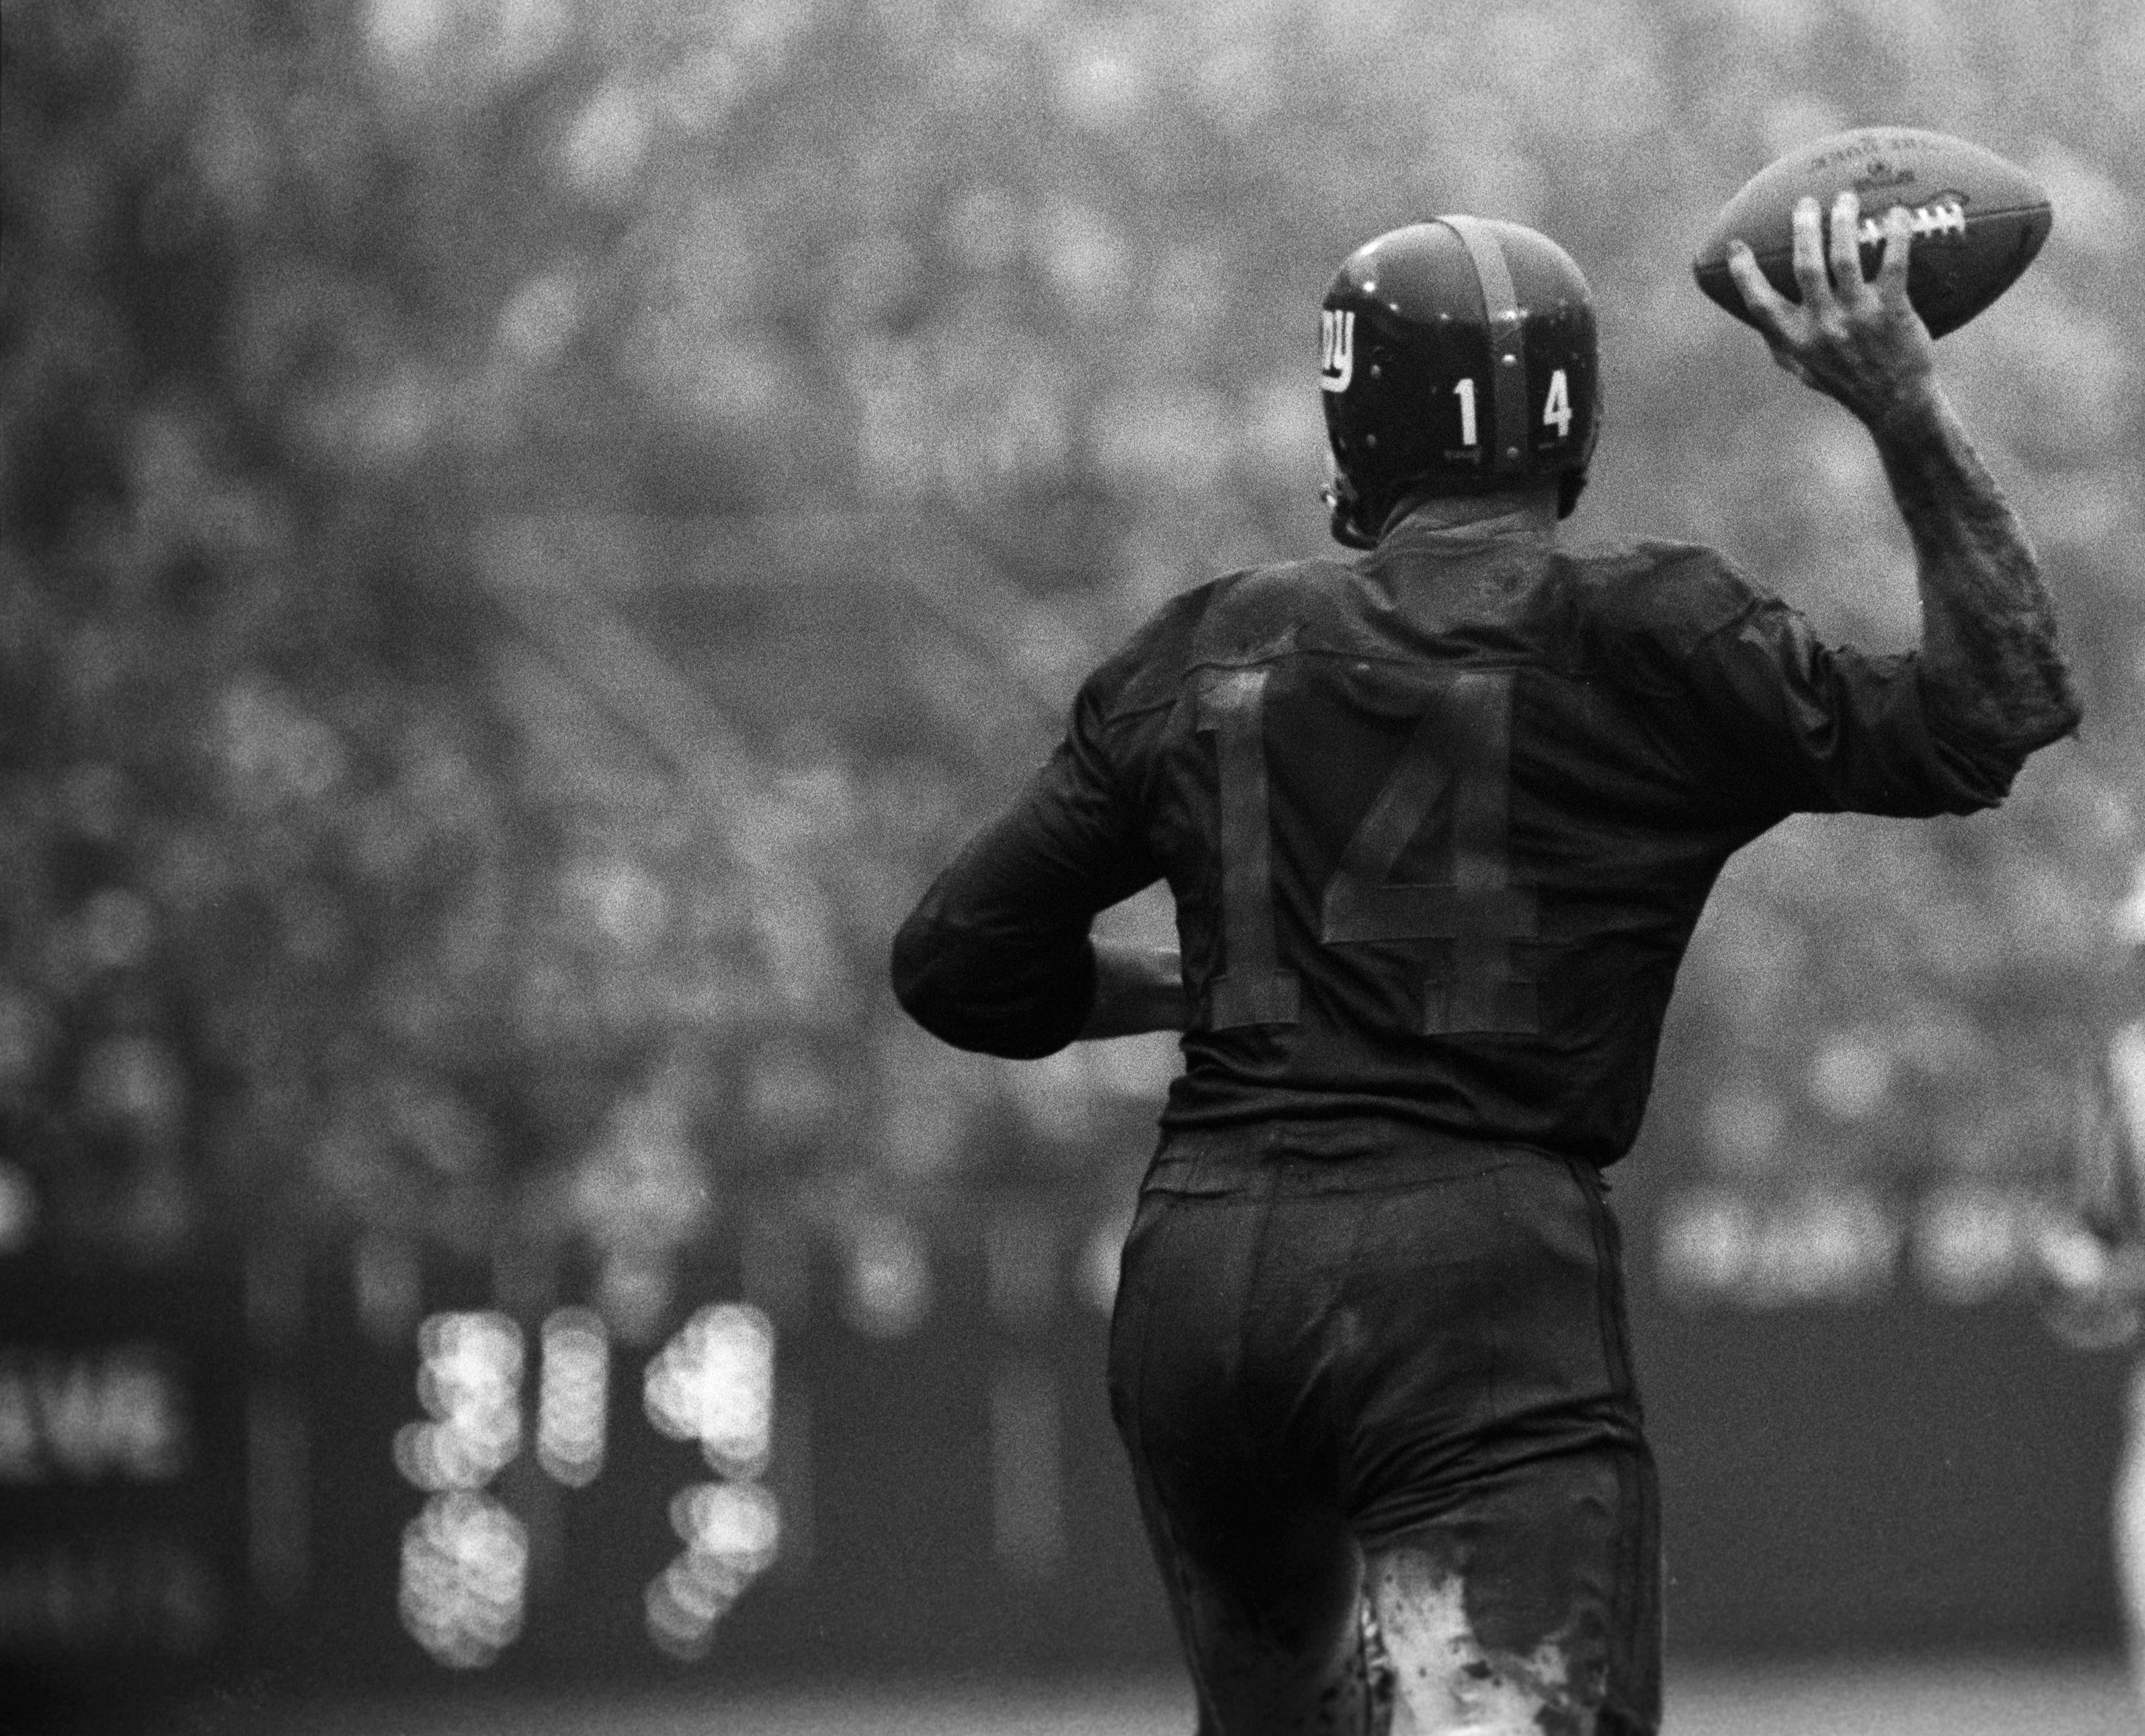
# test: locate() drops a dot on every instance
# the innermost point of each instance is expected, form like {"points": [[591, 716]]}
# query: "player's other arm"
{"points": [[1992, 672], [997, 957]]}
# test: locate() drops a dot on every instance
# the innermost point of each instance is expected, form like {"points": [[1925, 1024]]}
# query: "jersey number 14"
{"points": [[1459, 755]]}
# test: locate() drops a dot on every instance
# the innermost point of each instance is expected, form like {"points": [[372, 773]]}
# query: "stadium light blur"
{"points": [[714, 1382], [469, 1378], [572, 1396], [465, 1578]]}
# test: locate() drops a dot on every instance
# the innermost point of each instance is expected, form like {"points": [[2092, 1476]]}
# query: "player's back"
{"points": [[1439, 823]]}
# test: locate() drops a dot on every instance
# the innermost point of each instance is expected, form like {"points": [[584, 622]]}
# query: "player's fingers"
{"points": [[1898, 240], [1768, 306], [1845, 245], [1809, 255]]}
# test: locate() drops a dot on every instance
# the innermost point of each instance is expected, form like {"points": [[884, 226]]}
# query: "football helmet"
{"points": [[1455, 357]]}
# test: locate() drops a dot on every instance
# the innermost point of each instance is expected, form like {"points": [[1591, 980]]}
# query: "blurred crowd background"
{"points": [[532, 527]]}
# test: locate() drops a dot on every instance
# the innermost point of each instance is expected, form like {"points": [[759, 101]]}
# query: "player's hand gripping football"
{"points": [[1859, 340]]}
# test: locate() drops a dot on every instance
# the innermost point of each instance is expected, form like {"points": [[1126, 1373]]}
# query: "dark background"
{"points": [[531, 528]]}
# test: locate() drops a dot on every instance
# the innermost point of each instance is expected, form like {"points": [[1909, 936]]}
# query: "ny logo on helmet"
{"points": [[1336, 348]]}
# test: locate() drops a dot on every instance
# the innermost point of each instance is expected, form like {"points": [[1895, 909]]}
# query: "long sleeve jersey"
{"points": [[1438, 824]]}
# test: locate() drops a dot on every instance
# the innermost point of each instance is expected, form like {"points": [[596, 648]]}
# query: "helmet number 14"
{"points": [[1556, 411]]}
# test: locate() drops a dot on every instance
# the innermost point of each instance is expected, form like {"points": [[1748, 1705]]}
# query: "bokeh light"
{"points": [[714, 1383]]}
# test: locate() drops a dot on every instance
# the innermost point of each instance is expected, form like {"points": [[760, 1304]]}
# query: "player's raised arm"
{"points": [[1991, 671]]}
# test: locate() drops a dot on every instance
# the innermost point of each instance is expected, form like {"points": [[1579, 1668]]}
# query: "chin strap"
{"points": [[1340, 503]]}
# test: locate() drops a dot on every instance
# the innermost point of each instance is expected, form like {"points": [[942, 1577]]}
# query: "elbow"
{"points": [[918, 986], [1996, 727], [2046, 713], [1982, 762], [976, 996], [2065, 713], [2047, 701], [930, 988]]}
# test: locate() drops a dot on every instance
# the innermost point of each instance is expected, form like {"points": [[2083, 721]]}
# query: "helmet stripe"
{"points": [[1508, 343]]}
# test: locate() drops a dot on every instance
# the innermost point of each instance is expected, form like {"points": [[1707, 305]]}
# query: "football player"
{"points": [[2092, 1261], [1438, 822]]}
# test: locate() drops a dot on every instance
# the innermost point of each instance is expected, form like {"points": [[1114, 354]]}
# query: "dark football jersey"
{"points": [[1438, 825]]}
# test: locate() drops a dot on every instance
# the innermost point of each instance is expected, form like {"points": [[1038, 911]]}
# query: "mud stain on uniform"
{"points": [[1447, 1684]]}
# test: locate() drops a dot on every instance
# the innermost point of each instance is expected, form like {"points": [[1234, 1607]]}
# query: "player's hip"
{"points": [[1447, 1308]]}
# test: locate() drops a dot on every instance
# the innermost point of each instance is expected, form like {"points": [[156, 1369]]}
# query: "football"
{"points": [[1978, 220]]}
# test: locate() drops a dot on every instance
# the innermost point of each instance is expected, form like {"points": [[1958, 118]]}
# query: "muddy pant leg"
{"points": [[1535, 1611], [1511, 1527]]}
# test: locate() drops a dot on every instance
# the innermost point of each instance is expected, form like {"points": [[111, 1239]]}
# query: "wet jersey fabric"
{"points": [[1438, 824]]}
